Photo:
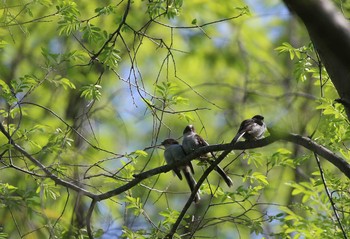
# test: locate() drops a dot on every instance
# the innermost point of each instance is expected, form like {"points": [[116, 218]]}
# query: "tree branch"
{"points": [[116, 32], [52, 176], [88, 219], [329, 196]]}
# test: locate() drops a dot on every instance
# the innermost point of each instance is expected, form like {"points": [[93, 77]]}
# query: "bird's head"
{"points": [[188, 129], [258, 117], [169, 141]]}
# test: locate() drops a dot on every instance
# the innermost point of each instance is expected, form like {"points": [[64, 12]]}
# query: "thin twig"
{"points": [[116, 32], [88, 219], [329, 196]]}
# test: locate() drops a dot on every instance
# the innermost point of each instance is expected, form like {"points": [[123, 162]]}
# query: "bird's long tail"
{"points": [[237, 137], [221, 172], [192, 184], [224, 176]]}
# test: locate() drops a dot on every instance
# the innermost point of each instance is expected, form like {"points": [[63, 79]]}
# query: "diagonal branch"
{"points": [[88, 218], [329, 196], [52, 176]]}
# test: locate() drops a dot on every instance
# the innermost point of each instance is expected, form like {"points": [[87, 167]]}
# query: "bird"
{"points": [[175, 152], [251, 129], [192, 141]]}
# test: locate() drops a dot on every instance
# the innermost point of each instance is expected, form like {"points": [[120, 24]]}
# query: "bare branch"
{"points": [[329, 195], [88, 218]]}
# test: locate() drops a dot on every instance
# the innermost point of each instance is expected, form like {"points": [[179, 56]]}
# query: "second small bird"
{"points": [[192, 141]]}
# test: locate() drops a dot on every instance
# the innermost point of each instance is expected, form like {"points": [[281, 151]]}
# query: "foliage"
{"points": [[88, 92]]}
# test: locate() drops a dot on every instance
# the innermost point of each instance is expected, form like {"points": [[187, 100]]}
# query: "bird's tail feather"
{"points": [[221, 172], [224, 176], [237, 137], [192, 184]]}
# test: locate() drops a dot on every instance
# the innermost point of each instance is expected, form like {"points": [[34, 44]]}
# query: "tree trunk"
{"points": [[329, 31]]}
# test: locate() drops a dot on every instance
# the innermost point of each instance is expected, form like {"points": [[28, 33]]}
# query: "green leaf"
{"points": [[244, 10], [293, 52], [135, 204], [260, 177], [79, 56], [47, 189], [67, 26], [51, 58], [93, 34], [128, 169], [186, 116], [4, 235], [105, 10], [110, 57], [24, 83], [69, 13], [46, 3], [91, 92], [6, 93], [170, 216], [66, 83], [180, 100], [5, 89], [208, 189], [141, 153]]}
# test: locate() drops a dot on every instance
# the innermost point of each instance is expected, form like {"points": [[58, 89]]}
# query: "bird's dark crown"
{"points": [[189, 128], [169, 141], [258, 117]]}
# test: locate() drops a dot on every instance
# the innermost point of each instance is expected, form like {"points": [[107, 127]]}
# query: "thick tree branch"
{"points": [[329, 31], [327, 154]]}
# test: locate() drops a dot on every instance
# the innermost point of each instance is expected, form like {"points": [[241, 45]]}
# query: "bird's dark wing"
{"points": [[245, 126], [201, 141]]}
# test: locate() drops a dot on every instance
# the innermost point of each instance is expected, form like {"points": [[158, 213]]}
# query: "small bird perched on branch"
{"points": [[251, 129], [192, 141], [175, 152]]}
